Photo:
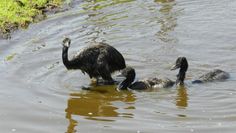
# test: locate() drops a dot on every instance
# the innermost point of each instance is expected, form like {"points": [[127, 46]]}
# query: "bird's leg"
{"points": [[105, 73], [97, 80], [101, 81]]}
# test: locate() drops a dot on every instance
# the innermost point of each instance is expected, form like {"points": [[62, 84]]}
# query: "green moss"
{"points": [[19, 13], [10, 57]]}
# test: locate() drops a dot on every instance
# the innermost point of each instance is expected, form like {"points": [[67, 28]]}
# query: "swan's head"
{"points": [[66, 42], [129, 74], [181, 63]]}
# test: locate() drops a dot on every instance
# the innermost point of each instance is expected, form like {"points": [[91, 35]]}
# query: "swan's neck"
{"points": [[181, 77], [69, 64], [125, 84]]}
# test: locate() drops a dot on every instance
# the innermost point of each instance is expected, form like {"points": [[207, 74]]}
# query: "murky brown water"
{"points": [[38, 95]]}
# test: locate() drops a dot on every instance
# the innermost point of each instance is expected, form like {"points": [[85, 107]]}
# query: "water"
{"points": [[38, 94]]}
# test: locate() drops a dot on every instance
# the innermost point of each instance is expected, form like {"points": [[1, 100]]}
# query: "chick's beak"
{"points": [[174, 67]]}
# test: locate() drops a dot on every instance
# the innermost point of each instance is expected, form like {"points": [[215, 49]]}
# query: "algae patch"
{"points": [[10, 57], [16, 14]]}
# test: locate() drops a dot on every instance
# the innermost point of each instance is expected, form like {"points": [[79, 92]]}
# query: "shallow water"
{"points": [[37, 93]]}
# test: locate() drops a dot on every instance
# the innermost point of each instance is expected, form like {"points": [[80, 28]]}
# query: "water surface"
{"points": [[37, 93]]}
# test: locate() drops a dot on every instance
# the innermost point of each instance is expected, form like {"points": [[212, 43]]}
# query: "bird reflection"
{"points": [[101, 19], [168, 20], [97, 104], [163, 1], [182, 97]]}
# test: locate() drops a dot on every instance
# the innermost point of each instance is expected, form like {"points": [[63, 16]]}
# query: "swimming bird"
{"points": [[97, 60], [214, 75], [129, 73], [144, 84], [181, 63]]}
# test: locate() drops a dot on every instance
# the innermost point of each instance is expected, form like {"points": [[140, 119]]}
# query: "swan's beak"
{"points": [[174, 67], [66, 44], [121, 86]]}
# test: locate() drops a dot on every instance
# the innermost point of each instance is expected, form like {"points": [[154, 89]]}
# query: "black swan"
{"points": [[98, 60], [214, 75], [182, 64], [129, 73]]}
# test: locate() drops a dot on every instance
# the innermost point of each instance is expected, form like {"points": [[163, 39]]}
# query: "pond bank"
{"points": [[15, 14], [38, 94]]}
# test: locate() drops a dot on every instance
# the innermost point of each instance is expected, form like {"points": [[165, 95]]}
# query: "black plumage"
{"points": [[97, 60], [182, 64], [214, 75], [144, 84]]}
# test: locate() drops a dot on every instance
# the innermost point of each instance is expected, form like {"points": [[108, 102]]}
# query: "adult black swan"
{"points": [[97, 60]]}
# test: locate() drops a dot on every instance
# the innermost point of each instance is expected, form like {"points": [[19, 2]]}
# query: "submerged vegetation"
{"points": [[19, 13]]}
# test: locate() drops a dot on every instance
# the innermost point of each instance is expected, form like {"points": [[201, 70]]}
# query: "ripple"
{"points": [[37, 90]]}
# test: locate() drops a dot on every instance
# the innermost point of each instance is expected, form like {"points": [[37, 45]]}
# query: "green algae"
{"points": [[16, 14]]}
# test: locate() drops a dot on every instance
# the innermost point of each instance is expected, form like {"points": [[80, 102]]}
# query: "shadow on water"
{"points": [[97, 104]]}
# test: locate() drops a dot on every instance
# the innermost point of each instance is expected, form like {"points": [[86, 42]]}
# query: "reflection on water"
{"points": [[168, 20], [150, 34], [100, 4], [101, 19], [163, 1], [182, 97], [97, 104]]}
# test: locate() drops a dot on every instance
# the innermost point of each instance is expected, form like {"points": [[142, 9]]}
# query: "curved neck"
{"points": [[127, 82], [68, 64]]}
